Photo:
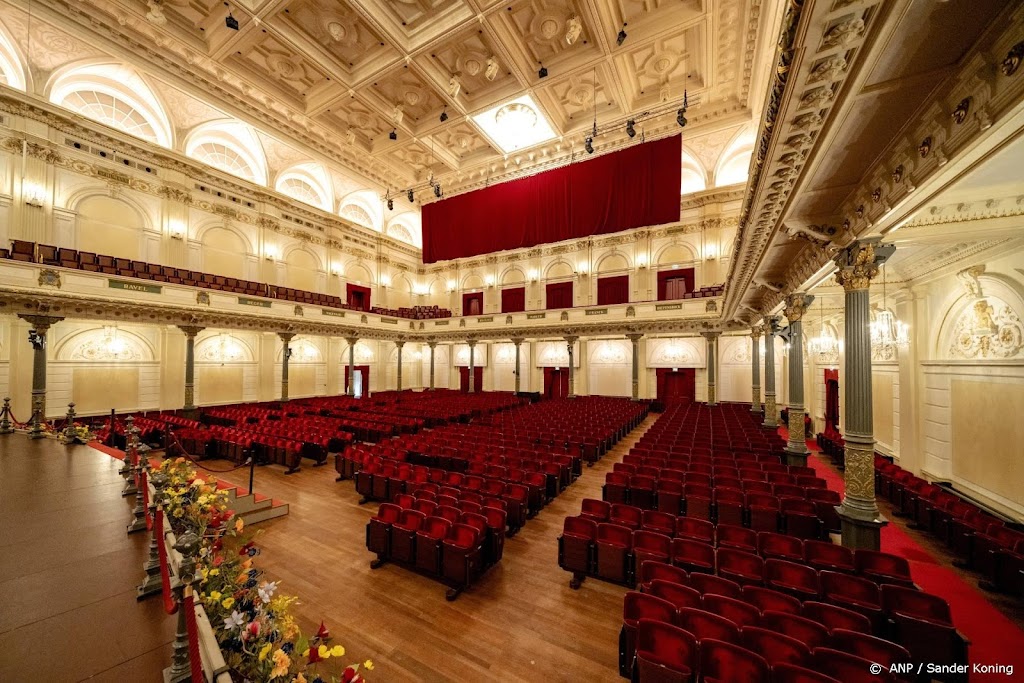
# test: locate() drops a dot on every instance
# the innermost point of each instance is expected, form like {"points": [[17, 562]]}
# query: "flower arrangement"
{"points": [[258, 637]]}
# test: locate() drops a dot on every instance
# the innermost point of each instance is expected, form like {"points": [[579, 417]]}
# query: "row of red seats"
{"points": [[981, 541], [414, 313], [910, 625]]}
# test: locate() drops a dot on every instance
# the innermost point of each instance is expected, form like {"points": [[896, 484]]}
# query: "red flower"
{"points": [[314, 654], [350, 676], [218, 560], [323, 633], [244, 550]]}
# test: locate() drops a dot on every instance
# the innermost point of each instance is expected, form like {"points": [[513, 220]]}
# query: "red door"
{"points": [[556, 382], [675, 386], [478, 379], [366, 378]]}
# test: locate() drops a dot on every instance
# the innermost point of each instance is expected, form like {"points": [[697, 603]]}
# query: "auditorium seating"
{"points": [[414, 313]]}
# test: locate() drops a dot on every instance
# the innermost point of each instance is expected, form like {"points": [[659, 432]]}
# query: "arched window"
{"points": [[116, 96], [307, 183], [230, 146]]}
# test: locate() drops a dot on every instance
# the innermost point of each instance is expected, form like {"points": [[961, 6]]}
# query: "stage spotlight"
{"points": [[393, 135], [543, 72], [444, 114], [630, 128], [391, 204], [588, 145], [410, 195], [231, 22], [437, 190], [681, 118], [621, 38]]}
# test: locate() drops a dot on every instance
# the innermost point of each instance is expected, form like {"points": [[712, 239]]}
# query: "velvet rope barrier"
{"points": [[170, 606], [194, 659], [195, 462]]}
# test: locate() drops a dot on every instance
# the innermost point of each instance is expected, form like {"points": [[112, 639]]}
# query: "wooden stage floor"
{"points": [[68, 574]]}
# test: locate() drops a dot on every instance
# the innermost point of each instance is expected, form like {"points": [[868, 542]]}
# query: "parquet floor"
{"points": [[68, 574]]}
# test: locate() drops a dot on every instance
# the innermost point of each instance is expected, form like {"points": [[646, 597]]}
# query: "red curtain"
{"points": [[673, 284], [513, 300], [559, 295], [556, 382], [675, 386], [366, 378], [635, 187], [832, 403], [613, 290], [357, 297], [478, 379], [473, 304]]}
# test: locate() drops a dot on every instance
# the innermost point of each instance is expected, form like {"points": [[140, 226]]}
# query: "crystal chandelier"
{"points": [[886, 329], [825, 345]]}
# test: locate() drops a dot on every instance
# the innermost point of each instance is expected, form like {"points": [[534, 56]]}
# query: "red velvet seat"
{"points": [[736, 537], [738, 612], [597, 510], [883, 652], [497, 527], [651, 546], [403, 536], [613, 543], [729, 504], [670, 496], [922, 623], [679, 595], [641, 491], [825, 503], [715, 585], [431, 534], [765, 599], [461, 555], [650, 570], [763, 511], [616, 487], [707, 626], [378, 530], [693, 556], [800, 518], [848, 668], [638, 606], [809, 632], [660, 522], [787, 673], [697, 501], [742, 567], [776, 648], [725, 662], [780, 546], [664, 653], [798, 580], [425, 505], [452, 514], [829, 556], [883, 567], [626, 515], [854, 593], [695, 529], [833, 617]]}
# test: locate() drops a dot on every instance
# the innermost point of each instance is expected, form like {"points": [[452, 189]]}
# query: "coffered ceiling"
{"points": [[337, 76]]}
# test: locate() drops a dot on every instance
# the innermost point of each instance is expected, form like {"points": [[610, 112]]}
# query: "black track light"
{"points": [[542, 72], [681, 114], [437, 190], [393, 135], [621, 38], [444, 114], [231, 22], [588, 145], [391, 205], [630, 128], [410, 195]]}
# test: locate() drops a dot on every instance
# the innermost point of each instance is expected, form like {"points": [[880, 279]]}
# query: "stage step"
{"points": [[253, 508]]}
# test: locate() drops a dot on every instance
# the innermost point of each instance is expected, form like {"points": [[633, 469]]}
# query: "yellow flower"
{"points": [[299, 678], [266, 651], [214, 572], [239, 524], [228, 602], [368, 665], [179, 512], [215, 595], [323, 652], [281, 664], [337, 651]]}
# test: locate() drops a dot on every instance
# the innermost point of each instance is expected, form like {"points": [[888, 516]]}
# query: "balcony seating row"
{"points": [[414, 313]]}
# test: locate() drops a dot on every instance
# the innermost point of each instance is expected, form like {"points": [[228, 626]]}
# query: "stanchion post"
{"points": [[138, 522], [6, 427], [130, 454], [252, 472], [70, 436], [151, 583], [180, 669]]}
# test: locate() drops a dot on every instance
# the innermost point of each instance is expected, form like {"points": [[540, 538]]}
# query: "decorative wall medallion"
{"points": [[630, 312], [298, 310], [925, 147], [49, 278], [1012, 61], [828, 69], [508, 320], [711, 307], [876, 194], [462, 323], [564, 316], [860, 211], [203, 298], [844, 33], [897, 174], [989, 328], [846, 224], [362, 318], [959, 114]]}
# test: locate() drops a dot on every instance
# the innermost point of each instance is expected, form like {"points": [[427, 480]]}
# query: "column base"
{"points": [[37, 434], [860, 532], [190, 412], [770, 424], [798, 459]]}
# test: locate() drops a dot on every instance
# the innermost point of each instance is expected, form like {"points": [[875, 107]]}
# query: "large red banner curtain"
{"points": [[559, 295], [513, 300], [632, 188], [613, 290]]}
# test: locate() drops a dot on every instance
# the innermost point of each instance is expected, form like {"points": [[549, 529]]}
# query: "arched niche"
{"points": [[224, 252], [303, 269], [358, 273], [473, 281], [513, 276], [559, 270], [107, 344], [613, 263], [110, 226]]}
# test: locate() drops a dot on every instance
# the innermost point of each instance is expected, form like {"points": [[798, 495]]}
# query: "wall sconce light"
{"points": [[385, 281], [641, 261], [581, 268], [33, 195], [532, 275], [336, 270], [451, 285], [675, 266], [710, 252], [490, 280], [270, 254], [177, 232]]}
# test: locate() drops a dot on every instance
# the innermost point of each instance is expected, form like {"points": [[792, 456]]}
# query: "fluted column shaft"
{"points": [[432, 346], [286, 337], [635, 341], [518, 342], [712, 352], [351, 389], [570, 340], [398, 369], [796, 447], [472, 374], [190, 366], [771, 410], [755, 370], [37, 337]]}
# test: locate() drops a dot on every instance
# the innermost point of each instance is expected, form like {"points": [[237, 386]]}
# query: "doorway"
{"points": [[361, 380], [478, 379], [556, 382], [831, 403], [677, 385]]}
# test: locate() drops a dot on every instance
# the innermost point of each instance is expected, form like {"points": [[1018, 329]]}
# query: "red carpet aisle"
{"points": [[994, 638]]}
